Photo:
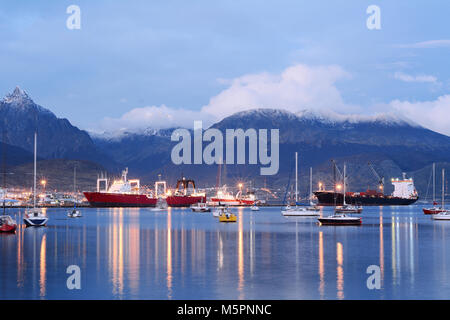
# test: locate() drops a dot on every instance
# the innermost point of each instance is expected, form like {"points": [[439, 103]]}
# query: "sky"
{"points": [[159, 64]]}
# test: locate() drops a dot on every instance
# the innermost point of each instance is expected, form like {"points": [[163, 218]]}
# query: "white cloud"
{"points": [[434, 114], [296, 88], [427, 44], [419, 78], [156, 117]]}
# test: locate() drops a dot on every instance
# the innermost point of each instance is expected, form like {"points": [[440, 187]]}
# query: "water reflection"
{"points": [[137, 253], [321, 266], [340, 270]]}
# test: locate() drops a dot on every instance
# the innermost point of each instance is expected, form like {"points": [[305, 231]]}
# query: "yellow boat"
{"points": [[227, 217]]}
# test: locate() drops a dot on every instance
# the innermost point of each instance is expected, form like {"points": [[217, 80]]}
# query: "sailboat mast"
{"points": [[434, 182], [35, 151], [296, 178], [344, 183], [443, 186], [310, 185]]}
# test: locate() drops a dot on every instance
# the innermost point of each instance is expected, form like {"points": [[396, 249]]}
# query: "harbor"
{"points": [[137, 253]]}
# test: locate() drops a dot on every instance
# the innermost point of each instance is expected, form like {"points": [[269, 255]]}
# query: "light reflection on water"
{"points": [[143, 254]]}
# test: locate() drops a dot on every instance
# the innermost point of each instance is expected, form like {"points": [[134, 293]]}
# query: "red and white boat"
{"points": [[225, 198], [121, 193], [182, 198], [7, 224], [435, 209]]}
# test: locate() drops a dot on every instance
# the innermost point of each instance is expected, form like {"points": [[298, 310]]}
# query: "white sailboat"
{"points": [[435, 209], [312, 205], [74, 213], [298, 211], [34, 216], [340, 217], [445, 214], [347, 208]]}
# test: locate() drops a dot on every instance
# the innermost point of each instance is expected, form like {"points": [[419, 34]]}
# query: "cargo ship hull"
{"points": [[184, 201], [104, 199], [329, 198]]}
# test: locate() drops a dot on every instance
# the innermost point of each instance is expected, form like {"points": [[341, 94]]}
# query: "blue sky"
{"points": [[159, 63]]}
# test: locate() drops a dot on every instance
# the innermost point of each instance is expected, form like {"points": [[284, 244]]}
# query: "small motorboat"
{"points": [[340, 220], [443, 215], [348, 208], [75, 213], [433, 210], [254, 208], [7, 224], [35, 218], [227, 217], [298, 212], [161, 205], [200, 207]]}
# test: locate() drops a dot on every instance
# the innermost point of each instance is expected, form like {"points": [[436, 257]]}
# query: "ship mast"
{"points": [[296, 178], [35, 151], [344, 185], [443, 186], [310, 186], [434, 183]]}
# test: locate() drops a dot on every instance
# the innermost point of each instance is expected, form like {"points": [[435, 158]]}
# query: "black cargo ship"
{"points": [[368, 198]]}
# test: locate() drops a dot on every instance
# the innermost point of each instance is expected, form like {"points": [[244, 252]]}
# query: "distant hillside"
{"points": [[59, 174]]}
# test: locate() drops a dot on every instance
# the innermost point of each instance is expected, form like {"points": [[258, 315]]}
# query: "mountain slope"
{"points": [[57, 138]]}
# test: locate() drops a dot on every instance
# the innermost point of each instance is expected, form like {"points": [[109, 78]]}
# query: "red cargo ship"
{"points": [[127, 193]]}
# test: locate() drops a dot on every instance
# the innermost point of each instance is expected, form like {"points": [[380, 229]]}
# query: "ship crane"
{"points": [[380, 179]]}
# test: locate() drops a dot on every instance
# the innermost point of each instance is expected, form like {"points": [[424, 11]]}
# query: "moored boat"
{"points": [[443, 214], [7, 224], [200, 207], [340, 220], [298, 211], [435, 209], [34, 217]]}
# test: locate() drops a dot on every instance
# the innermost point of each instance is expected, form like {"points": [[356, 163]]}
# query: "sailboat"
{"points": [[312, 205], [7, 223], [34, 216], [298, 211], [340, 217], [161, 205], [347, 208], [435, 209], [74, 213], [445, 214]]}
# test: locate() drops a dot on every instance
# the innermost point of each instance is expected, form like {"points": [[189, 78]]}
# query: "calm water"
{"points": [[143, 254]]}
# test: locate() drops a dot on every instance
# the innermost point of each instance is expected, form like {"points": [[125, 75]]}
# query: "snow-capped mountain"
{"points": [[20, 117]]}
